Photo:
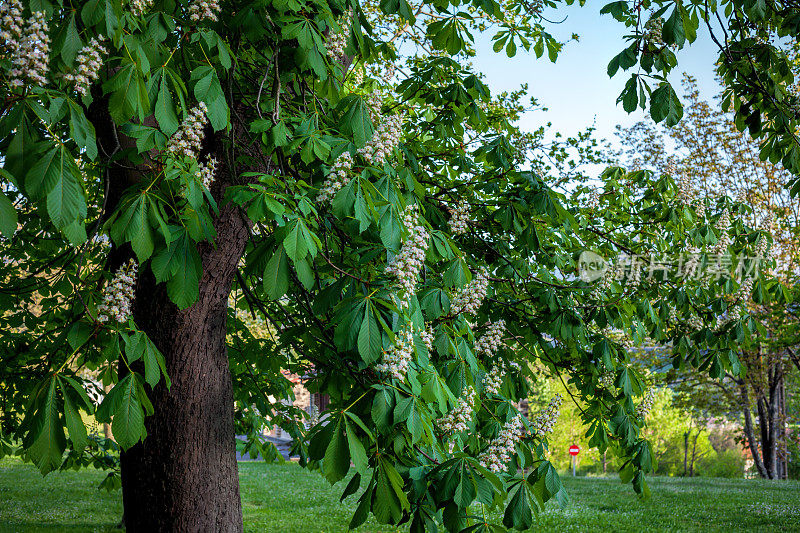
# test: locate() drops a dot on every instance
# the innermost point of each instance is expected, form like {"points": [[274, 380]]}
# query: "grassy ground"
{"points": [[287, 499]]}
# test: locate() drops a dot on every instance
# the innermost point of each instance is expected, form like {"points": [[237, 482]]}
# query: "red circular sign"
{"points": [[573, 450]]}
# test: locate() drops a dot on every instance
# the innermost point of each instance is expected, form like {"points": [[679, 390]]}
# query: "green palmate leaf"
{"points": [[82, 131], [356, 448], [46, 436], [369, 336], [519, 511], [179, 265], [390, 501], [128, 94], [165, 109], [276, 274], [295, 243], [8, 217], [209, 90], [48, 170], [382, 409], [336, 462], [139, 346], [183, 286], [665, 105], [124, 406], [75, 425], [69, 41], [356, 119], [65, 201], [133, 226]]}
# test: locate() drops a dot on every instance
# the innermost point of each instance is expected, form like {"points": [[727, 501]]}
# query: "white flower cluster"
{"points": [[459, 218], [426, 335], [546, 420], [695, 322], [761, 247], [407, 264], [140, 7], [396, 360], [500, 450], [11, 23], [204, 10], [700, 208], [187, 141], [722, 225], [468, 299], [90, 59], [337, 42], [743, 295], [643, 409], [685, 189], [493, 380], [458, 419], [383, 141], [29, 45], [634, 277], [358, 75], [492, 340], [607, 379], [653, 31], [206, 172], [338, 177], [118, 297]]}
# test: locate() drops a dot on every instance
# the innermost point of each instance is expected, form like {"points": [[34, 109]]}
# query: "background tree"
{"points": [[707, 148]]}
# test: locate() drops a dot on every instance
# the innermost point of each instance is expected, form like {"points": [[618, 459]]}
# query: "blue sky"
{"points": [[576, 89]]}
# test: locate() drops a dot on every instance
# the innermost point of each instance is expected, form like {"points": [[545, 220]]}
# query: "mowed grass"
{"points": [[288, 499]]}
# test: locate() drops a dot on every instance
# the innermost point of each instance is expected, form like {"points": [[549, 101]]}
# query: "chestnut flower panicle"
{"points": [[493, 380], [397, 359], [546, 420], [140, 7], [187, 141], [338, 177], [118, 296], [426, 335], [12, 25], [407, 264], [383, 141], [469, 298], [31, 53], [459, 218], [643, 409], [499, 452], [607, 380], [492, 340], [458, 419], [90, 59], [723, 223], [204, 10], [206, 172], [337, 42]]}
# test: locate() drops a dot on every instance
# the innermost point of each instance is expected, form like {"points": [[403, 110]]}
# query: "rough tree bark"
{"points": [[184, 476], [749, 432]]}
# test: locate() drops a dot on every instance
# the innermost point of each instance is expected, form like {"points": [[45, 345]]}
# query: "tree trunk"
{"points": [[685, 453], [694, 453], [748, 429], [183, 477]]}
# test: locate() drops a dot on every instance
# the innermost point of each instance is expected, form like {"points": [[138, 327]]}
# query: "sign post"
{"points": [[573, 451]]}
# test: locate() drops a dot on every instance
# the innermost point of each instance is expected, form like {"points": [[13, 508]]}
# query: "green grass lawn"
{"points": [[287, 499]]}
